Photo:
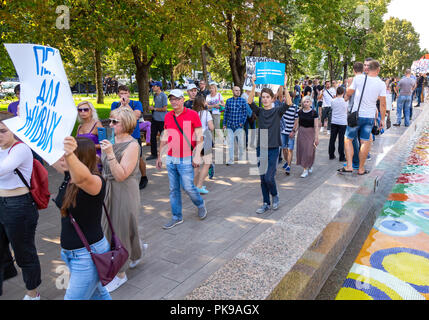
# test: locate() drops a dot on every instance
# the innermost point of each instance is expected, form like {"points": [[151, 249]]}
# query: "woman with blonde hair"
{"points": [[121, 171], [308, 136], [215, 104], [88, 119]]}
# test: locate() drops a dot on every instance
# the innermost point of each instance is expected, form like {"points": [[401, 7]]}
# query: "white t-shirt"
{"points": [[20, 157], [327, 99], [205, 117], [339, 111], [374, 88], [217, 99]]}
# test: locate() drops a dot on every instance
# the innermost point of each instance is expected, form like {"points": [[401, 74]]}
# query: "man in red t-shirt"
{"points": [[183, 137]]}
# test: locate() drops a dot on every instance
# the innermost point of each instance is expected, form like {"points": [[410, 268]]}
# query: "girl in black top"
{"points": [[82, 195]]}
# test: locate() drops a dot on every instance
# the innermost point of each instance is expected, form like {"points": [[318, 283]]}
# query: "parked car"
{"points": [[7, 88]]}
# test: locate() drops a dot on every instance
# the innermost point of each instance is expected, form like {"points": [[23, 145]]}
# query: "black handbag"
{"points": [[353, 117]]}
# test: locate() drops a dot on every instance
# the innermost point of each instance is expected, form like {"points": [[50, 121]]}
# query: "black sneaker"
{"points": [[143, 182], [151, 157]]}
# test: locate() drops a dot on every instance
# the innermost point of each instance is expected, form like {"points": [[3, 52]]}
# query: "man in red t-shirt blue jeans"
{"points": [[184, 138]]}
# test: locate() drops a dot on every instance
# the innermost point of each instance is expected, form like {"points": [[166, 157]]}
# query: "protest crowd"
{"points": [[99, 198]]}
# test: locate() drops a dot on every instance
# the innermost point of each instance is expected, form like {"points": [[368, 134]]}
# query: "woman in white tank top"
{"points": [[18, 212]]}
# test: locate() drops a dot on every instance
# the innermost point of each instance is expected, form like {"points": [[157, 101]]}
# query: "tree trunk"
{"points": [[98, 77], [204, 63], [142, 75], [345, 74], [331, 68], [173, 84], [238, 68]]}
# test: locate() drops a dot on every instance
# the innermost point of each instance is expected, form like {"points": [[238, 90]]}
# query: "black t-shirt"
{"points": [[420, 82], [307, 90], [87, 214], [189, 103], [204, 93], [306, 119]]}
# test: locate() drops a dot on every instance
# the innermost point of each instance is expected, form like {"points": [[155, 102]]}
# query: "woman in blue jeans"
{"points": [[268, 149], [82, 195]]}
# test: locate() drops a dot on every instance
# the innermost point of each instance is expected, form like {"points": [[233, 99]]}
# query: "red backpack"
{"points": [[39, 186]]}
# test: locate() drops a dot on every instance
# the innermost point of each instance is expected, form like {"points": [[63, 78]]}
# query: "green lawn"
{"points": [[103, 110]]}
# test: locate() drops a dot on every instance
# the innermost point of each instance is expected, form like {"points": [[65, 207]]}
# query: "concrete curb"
{"points": [[293, 258]]}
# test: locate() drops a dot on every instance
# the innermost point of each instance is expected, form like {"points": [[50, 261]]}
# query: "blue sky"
{"points": [[415, 11]]}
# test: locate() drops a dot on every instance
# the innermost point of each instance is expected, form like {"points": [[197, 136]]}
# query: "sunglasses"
{"points": [[83, 109], [114, 121]]}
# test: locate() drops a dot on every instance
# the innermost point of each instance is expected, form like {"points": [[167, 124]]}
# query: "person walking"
{"points": [[159, 110], [327, 95], [234, 119], [368, 88], [269, 118], [192, 93], [120, 170], [288, 126], [338, 124], [18, 212], [81, 196], [182, 137], [215, 105], [308, 136], [201, 171], [404, 90], [136, 106]]}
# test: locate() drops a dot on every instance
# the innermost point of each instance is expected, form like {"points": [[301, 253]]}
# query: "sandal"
{"points": [[343, 170], [365, 172]]}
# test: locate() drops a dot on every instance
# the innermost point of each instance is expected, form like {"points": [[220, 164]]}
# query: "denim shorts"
{"points": [[364, 127], [287, 142]]}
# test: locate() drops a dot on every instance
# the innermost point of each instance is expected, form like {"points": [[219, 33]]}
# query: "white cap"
{"points": [[213, 83], [192, 86], [177, 93]]}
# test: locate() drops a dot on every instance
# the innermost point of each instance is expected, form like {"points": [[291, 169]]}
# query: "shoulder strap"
{"points": [[21, 176], [327, 90], [183, 134], [361, 96]]}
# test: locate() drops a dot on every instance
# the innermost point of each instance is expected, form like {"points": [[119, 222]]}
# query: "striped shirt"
{"points": [[288, 119]]}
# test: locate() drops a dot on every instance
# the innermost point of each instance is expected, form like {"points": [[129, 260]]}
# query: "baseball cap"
{"points": [[177, 93], [157, 83], [191, 86]]}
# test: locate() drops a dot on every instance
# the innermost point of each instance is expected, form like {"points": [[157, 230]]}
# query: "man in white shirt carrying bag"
{"points": [[368, 89]]}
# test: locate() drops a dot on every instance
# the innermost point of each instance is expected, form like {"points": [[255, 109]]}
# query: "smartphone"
{"points": [[106, 134]]}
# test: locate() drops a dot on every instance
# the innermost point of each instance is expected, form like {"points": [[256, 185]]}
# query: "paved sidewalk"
{"points": [[180, 259]]}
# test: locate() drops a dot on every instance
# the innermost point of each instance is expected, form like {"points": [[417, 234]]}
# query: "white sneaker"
{"points": [[115, 283], [321, 129], [310, 170], [27, 297], [328, 131], [304, 173], [134, 264]]}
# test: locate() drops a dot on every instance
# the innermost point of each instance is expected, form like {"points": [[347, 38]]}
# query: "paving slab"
{"points": [[180, 261]]}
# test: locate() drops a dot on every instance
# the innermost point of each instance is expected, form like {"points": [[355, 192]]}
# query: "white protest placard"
{"points": [[47, 112], [251, 70]]}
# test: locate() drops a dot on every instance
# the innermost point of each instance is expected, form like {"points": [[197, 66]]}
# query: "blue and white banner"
{"points": [[270, 73], [47, 112], [251, 70]]}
